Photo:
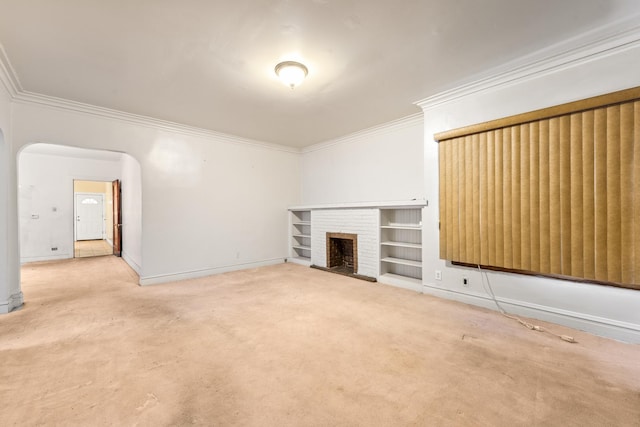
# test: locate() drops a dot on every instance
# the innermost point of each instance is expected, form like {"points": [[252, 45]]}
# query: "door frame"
{"points": [[75, 213], [116, 197]]}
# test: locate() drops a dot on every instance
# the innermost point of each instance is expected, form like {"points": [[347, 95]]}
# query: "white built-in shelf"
{"points": [[402, 227], [300, 229], [402, 244], [402, 261]]}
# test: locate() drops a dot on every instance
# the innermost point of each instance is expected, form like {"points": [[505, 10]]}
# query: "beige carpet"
{"points": [[291, 346]]}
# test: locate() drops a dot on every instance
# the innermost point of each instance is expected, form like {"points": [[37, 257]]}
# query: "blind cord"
{"points": [[524, 323]]}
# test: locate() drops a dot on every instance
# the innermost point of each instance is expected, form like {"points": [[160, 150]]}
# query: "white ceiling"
{"points": [[210, 63]]}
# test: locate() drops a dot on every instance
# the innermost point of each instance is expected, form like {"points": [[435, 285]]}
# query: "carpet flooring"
{"points": [[291, 346]]}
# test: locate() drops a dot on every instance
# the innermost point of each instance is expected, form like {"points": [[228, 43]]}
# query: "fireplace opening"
{"points": [[342, 253]]}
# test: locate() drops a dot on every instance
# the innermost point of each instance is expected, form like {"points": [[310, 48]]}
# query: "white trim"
{"points": [[608, 328], [383, 128], [356, 205], [26, 97], [303, 262], [58, 257], [14, 301], [603, 41], [10, 81], [8, 75], [400, 282], [134, 265], [194, 274]]}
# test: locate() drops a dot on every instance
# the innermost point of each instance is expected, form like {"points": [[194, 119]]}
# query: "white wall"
{"points": [[209, 202], [600, 309], [383, 165], [10, 295], [376, 165], [46, 200], [131, 189]]}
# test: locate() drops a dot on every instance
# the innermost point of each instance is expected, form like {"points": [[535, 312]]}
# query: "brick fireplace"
{"points": [[342, 252], [363, 223]]}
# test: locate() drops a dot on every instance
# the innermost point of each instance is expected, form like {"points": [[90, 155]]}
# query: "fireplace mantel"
{"points": [[364, 205]]}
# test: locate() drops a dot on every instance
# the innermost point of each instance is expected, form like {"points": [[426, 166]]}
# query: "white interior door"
{"points": [[89, 216]]}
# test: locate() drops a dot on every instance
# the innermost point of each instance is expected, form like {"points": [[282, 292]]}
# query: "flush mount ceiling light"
{"points": [[291, 73]]}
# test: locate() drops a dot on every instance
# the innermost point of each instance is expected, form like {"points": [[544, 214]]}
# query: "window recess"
{"points": [[553, 192]]}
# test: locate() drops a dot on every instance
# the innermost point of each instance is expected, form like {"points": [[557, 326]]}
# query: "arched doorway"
{"points": [[46, 199]]}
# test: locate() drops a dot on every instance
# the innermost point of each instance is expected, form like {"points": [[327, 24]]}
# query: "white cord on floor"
{"points": [[527, 325]]}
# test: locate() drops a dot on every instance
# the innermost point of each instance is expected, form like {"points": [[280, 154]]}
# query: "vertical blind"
{"points": [[554, 192]]}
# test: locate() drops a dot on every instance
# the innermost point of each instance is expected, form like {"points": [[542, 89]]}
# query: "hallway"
{"points": [[91, 248]]}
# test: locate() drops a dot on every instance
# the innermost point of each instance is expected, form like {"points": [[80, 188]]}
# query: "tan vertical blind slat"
{"points": [[525, 198], [442, 164], [545, 209], [575, 203], [452, 202], [491, 198], [614, 267], [468, 202], [636, 193], [507, 239], [516, 202], [498, 195], [460, 230], [484, 197], [626, 193], [564, 141], [555, 225], [558, 196], [588, 195], [475, 155], [534, 195], [600, 209]]}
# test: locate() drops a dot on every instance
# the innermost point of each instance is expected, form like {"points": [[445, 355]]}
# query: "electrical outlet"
{"points": [[438, 275], [465, 282]]}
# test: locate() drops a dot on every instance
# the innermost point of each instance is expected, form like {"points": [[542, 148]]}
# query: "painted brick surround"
{"points": [[363, 222]]}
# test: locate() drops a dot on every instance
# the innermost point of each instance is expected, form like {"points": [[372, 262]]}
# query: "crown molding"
{"points": [[8, 75], [383, 128], [597, 43], [25, 97], [10, 81]]}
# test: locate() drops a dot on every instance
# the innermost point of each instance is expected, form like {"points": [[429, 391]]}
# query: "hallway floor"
{"points": [[90, 248], [291, 346]]}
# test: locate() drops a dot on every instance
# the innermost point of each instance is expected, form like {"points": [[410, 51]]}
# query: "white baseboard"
{"points": [[172, 277], [109, 241], [25, 260], [14, 301], [401, 282], [134, 265], [304, 262], [609, 328]]}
